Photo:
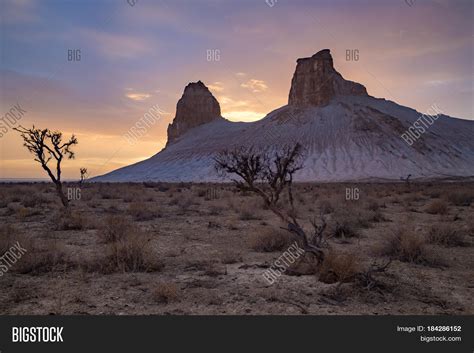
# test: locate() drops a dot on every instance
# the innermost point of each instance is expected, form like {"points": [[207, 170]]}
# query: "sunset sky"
{"points": [[136, 57]]}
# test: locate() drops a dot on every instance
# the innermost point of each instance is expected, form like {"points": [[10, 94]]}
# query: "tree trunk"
{"points": [[59, 190]]}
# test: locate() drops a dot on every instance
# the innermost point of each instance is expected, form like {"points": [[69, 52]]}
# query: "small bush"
{"points": [[272, 240], [33, 200], [338, 268], [142, 212], [165, 293], [42, 258], [130, 252], [71, 220], [437, 207], [445, 235], [115, 228], [345, 225], [405, 246]]}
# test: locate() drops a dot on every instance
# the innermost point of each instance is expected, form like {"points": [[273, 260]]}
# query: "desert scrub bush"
{"points": [[115, 228], [437, 207], [33, 200], [71, 220], [271, 239], [142, 211], [165, 293], [461, 198], [45, 257], [345, 225], [25, 212], [405, 246], [338, 267], [445, 235], [130, 253]]}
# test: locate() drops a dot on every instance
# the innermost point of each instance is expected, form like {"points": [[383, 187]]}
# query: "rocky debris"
{"points": [[196, 106], [315, 82]]}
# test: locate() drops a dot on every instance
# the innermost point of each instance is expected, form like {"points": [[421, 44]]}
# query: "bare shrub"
{"points": [[71, 220], [405, 246], [437, 207], [115, 228], [165, 293], [142, 212], [47, 145], [271, 239], [445, 235], [41, 258], [338, 268], [269, 175], [33, 200], [345, 225], [130, 252]]}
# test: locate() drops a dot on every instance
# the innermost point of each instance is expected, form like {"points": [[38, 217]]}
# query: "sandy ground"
{"points": [[202, 258]]}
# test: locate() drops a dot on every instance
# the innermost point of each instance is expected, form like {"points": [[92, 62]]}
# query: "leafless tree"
{"points": [[83, 172], [269, 175], [46, 145]]}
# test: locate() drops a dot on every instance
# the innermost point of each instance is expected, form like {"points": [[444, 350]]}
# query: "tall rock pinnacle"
{"points": [[315, 82], [196, 106]]}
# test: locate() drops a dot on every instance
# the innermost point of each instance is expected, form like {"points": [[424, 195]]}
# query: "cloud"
{"points": [[216, 87], [255, 85], [230, 103], [138, 96]]}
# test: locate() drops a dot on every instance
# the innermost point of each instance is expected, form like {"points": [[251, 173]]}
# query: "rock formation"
{"points": [[196, 106], [315, 82], [347, 134]]}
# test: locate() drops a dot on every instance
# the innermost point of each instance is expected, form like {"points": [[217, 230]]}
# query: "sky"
{"points": [[138, 55]]}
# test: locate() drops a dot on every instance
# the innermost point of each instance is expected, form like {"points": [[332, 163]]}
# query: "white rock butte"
{"points": [[348, 135]]}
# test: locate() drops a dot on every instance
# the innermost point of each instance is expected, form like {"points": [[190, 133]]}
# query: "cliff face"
{"points": [[315, 82], [196, 106]]}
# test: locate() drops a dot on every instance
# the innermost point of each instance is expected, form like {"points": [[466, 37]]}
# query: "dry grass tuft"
{"points": [[71, 220], [129, 251], [406, 246], [445, 235], [437, 207], [271, 239], [338, 268], [142, 211], [165, 293]]}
